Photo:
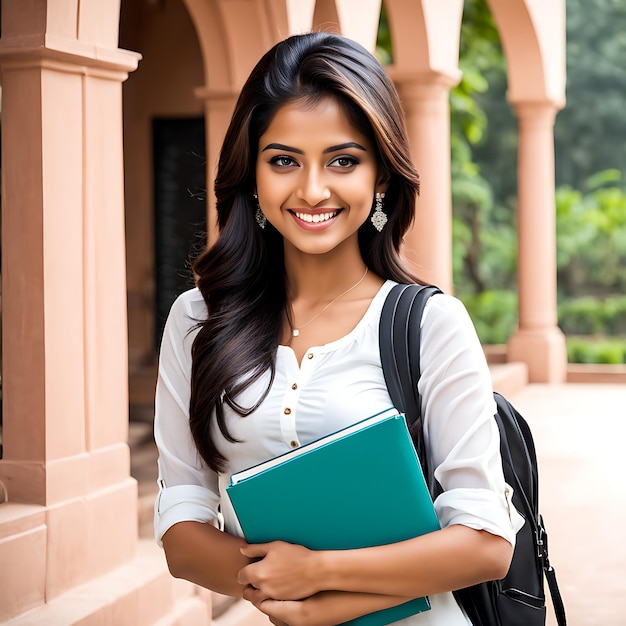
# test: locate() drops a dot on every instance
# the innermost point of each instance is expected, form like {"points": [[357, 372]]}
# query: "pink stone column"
{"points": [[428, 245], [538, 341], [70, 505]]}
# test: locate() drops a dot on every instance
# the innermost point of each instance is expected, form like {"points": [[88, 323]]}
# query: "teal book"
{"points": [[361, 486]]}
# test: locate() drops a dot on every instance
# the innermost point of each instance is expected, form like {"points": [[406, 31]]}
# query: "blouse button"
{"points": [[294, 386], [293, 444], [309, 355], [287, 411]]}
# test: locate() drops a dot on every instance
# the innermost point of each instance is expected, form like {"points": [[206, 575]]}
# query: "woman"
{"points": [[278, 346]]}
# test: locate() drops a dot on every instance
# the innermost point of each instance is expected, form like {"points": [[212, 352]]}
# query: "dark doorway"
{"points": [[179, 208]]}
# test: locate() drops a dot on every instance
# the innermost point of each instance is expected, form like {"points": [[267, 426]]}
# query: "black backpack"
{"points": [[518, 599]]}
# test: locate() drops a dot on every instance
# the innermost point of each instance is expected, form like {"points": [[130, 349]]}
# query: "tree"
{"points": [[484, 243], [591, 239], [590, 132], [484, 154]]}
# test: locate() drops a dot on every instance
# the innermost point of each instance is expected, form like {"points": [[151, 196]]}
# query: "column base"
{"points": [[141, 592], [51, 551], [544, 352]]}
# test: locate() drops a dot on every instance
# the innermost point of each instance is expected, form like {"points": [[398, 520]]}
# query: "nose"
{"points": [[312, 187]]}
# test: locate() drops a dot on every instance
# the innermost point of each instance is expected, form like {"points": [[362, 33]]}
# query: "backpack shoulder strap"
{"points": [[399, 339]]}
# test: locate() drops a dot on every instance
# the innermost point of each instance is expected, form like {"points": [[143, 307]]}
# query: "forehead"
{"points": [[322, 122]]}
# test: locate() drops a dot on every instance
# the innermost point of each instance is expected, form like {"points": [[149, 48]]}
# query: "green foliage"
{"points": [[593, 316], [479, 51], [588, 350], [589, 129], [615, 315], [478, 238], [591, 199], [384, 50], [582, 316], [605, 177], [590, 158], [591, 236], [588, 322], [494, 314]]}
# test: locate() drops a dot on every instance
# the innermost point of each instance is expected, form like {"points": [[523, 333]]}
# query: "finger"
{"points": [[254, 550], [254, 595], [242, 578], [245, 576], [281, 610]]}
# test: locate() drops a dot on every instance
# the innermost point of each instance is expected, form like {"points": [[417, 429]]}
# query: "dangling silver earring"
{"points": [[260, 218], [379, 217]]}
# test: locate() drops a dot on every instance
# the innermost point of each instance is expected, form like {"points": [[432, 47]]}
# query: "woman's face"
{"points": [[316, 176]]}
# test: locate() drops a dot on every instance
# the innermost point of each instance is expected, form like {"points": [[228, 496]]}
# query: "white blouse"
{"points": [[336, 385]]}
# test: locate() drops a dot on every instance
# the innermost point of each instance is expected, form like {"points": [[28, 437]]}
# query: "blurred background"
{"points": [[590, 136]]}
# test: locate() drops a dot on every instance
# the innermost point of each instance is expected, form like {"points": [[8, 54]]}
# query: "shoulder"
{"points": [[189, 308], [447, 329], [443, 309], [189, 302], [186, 312]]}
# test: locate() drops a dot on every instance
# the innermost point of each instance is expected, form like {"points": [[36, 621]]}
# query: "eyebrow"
{"points": [[341, 146]]}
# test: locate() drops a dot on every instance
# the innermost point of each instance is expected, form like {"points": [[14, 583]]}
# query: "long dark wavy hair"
{"points": [[242, 275]]}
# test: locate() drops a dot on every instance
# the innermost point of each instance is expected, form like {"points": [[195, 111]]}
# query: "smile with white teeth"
{"points": [[316, 217]]}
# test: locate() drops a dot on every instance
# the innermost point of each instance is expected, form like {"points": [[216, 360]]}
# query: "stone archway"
{"points": [[425, 39], [533, 39], [426, 44]]}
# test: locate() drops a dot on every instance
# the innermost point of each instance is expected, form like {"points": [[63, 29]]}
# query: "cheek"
{"points": [[273, 190], [266, 184], [360, 193], [362, 186]]}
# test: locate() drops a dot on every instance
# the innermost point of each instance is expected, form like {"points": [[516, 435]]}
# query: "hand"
{"points": [[268, 606], [326, 608], [284, 571], [285, 612]]}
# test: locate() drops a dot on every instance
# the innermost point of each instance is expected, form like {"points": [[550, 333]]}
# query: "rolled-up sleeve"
{"points": [[188, 489], [460, 433]]}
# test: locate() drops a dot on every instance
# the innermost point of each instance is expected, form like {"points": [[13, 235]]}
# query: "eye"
{"points": [[344, 162], [283, 161]]}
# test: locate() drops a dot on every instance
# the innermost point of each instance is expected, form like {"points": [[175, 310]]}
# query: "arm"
{"points": [[390, 573], [205, 556], [324, 609], [186, 510], [448, 559], [445, 560]]}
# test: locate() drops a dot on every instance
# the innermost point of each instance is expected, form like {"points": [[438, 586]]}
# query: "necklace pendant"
{"points": [[295, 332]]}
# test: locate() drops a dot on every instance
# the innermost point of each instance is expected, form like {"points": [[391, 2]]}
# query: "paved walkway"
{"points": [[580, 435]]}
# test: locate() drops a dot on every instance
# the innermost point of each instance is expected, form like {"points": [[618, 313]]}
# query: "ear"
{"points": [[382, 184]]}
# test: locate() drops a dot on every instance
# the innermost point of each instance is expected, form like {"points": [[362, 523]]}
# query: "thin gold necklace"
{"points": [[296, 331]]}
